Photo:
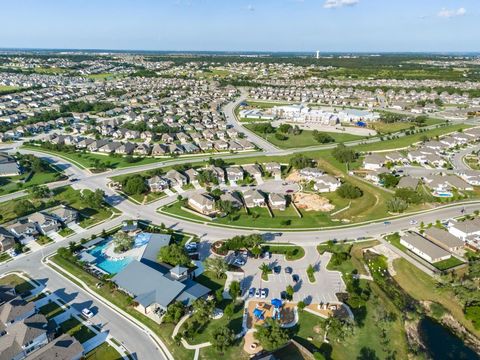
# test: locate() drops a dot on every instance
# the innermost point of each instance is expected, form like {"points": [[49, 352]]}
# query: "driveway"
{"points": [[327, 283]]}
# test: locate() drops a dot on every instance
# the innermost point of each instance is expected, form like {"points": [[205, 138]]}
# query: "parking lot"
{"points": [[327, 283]]}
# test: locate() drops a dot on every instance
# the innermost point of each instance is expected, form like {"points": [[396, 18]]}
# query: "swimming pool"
{"points": [[110, 266]]}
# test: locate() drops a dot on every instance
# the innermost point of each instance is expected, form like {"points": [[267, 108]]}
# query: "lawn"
{"points": [[210, 280], [20, 284], [43, 240], [304, 139], [101, 76], [4, 257], [76, 329], [423, 287], [103, 352], [448, 263], [394, 239], [124, 302], [234, 323], [51, 310], [291, 252], [66, 231], [27, 180]]}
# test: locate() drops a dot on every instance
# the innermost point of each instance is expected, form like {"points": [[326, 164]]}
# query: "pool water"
{"points": [[110, 266]]}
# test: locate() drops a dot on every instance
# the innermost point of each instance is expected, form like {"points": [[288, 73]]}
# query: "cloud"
{"points": [[250, 8], [449, 13], [334, 4]]}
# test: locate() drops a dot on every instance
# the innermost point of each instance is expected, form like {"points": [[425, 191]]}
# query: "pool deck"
{"points": [[135, 252]]}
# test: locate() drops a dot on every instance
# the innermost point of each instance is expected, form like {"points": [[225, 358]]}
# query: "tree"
{"points": [[344, 154], [301, 305], [94, 199], [389, 180], [134, 185], [23, 207], [216, 265], [397, 205], [281, 137], [256, 251], [222, 338], [322, 137], [338, 330], [122, 242], [229, 310], [409, 195], [265, 269], [207, 177], [234, 289], [349, 191], [300, 161], [310, 271], [39, 191], [290, 291], [285, 128], [174, 312], [270, 335], [227, 207], [174, 254]]}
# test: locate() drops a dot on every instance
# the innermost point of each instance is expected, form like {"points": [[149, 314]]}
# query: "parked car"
{"points": [[263, 293], [413, 222], [295, 278], [288, 270], [267, 255], [257, 293], [239, 261], [277, 269], [251, 292], [87, 313]]}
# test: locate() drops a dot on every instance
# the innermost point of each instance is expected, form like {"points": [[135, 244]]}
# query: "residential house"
{"points": [[176, 178], [374, 162], [253, 198], [8, 165], [444, 239], [203, 203], [159, 150], [424, 248], [125, 149], [273, 168], [45, 223], [157, 183], [24, 231], [326, 183], [464, 229], [233, 198], [65, 214], [65, 347], [142, 149], [277, 201], [408, 182], [310, 173], [7, 240], [192, 174], [234, 173]]}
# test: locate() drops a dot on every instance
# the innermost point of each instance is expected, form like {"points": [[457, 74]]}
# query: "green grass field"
{"points": [[51, 310], [76, 329], [304, 139], [103, 352], [24, 181]]}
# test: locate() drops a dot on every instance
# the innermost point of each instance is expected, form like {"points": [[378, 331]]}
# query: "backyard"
{"points": [[20, 284]]}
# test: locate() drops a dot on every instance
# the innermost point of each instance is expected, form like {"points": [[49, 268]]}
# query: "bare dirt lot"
{"points": [[312, 202]]}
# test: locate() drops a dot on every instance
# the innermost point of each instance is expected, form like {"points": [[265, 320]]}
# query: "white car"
{"points": [[257, 293], [263, 293], [239, 262], [87, 313], [413, 222]]}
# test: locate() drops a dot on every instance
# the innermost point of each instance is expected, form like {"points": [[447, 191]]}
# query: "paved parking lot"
{"points": [[327, 283]]}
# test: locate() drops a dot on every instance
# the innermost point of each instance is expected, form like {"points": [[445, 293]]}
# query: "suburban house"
{"points": [[65, 214], [46, 223], [408, 182], [310, 173], [424, 248], [203, 203], [191, 174], [326, 183], [233, 198], [273, 167], [277, 201], [24, 231], [253, 170], [464, 229], [8, 165], [443, 239], [234, 173], [176, 178], [373, 162], [65, 347], [22, 331], [157, 183], [7, 240], [253, 198]]}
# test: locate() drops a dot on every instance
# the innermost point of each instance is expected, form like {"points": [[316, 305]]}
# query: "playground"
{"points": [[259, 311]]}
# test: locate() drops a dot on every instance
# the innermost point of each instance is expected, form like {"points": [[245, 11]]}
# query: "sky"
{"points": [[243, 25]]}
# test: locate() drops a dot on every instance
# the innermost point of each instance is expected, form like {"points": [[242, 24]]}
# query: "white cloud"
{"points": [[449, 13], [250, 8], [333, 4]]}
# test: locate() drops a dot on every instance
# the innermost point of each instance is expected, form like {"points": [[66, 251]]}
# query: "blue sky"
{"points": [[236, 25]]}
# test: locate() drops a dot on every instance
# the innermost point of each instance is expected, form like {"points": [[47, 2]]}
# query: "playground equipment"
{"points": [[277, 306]]}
